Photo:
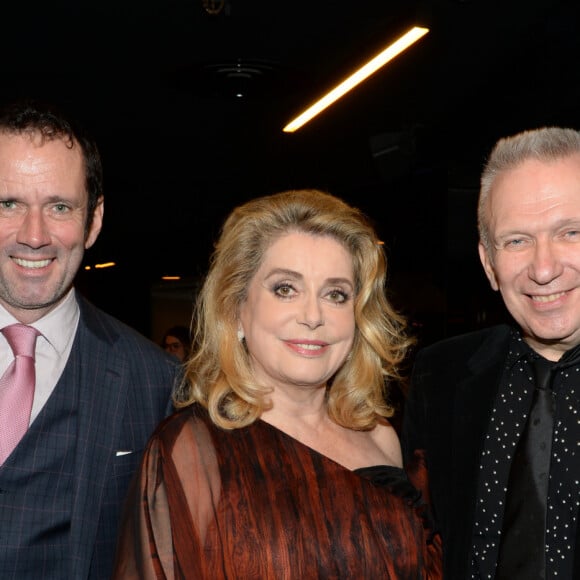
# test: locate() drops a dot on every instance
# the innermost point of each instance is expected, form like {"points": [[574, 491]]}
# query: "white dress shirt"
{"points": [[53, 346]]}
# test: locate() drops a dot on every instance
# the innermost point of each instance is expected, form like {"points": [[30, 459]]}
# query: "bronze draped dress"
{"points": [[255, 503]]}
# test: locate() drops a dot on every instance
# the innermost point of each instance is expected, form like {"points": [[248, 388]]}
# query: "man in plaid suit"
{"points": [[101, 388]]}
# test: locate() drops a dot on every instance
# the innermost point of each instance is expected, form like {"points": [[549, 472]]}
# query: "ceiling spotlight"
{"points": [[357, 77]]}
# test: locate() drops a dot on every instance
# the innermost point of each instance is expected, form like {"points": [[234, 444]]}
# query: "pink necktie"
{"points": [[17, 387]]}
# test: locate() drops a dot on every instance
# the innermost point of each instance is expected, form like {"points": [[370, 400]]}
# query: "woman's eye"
{"points": [[283, 290], [338, 296]]}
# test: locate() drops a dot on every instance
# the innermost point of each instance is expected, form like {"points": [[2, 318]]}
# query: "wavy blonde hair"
{"points": [[218, 374]]}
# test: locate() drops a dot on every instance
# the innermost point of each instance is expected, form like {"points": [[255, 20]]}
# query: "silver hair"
{"points": [[544, 144]]}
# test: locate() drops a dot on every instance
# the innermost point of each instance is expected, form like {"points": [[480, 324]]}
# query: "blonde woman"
{"points": [[282, 462]]}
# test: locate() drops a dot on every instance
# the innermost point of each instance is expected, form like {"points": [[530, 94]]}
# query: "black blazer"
{"points": [[449, 405]]}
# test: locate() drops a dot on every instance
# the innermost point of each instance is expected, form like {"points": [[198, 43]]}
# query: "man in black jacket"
{"points": [[471, 395]]}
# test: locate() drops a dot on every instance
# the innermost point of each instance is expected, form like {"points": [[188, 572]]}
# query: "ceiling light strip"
{"points": [[394, 49]]}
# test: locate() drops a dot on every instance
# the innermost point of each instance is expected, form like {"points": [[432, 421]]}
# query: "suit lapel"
{"points": [[475, 396], [101, 392]]}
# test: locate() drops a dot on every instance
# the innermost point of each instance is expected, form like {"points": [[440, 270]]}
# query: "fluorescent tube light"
{"points": [[394, 49]]}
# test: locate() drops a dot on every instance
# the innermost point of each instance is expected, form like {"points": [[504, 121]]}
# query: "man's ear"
{"points": [[96, 224], [487, 266]]}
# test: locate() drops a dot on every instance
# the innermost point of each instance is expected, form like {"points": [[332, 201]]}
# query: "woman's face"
{"points": [[298, 318]]}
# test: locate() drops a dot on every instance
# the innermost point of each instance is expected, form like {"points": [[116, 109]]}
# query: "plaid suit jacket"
{"points": [[122, 383], [125, 391]]}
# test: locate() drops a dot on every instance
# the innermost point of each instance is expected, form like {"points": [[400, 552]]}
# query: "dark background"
{"points": [[156, 84]]}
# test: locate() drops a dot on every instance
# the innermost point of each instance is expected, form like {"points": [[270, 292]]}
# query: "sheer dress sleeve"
{"points": [[172, 500]]}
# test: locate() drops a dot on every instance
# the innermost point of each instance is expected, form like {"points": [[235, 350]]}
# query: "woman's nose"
{"points": [[312, 315]]}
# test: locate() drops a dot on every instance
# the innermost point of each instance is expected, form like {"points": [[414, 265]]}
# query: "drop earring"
{"points": [[240, 335]]}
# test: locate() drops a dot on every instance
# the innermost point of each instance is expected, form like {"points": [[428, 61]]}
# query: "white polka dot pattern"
{"points": [[507, 421]]}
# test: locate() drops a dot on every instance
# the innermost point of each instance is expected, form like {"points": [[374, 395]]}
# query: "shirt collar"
{"points": [[58, 326], [519, 348]]}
